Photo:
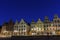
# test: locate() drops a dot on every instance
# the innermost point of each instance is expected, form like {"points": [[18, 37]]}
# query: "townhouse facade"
{"points": [[37, 28], [21, 28], [7, 29]]}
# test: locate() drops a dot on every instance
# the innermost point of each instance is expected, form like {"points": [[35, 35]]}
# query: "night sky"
{"points": [[28, 9]]}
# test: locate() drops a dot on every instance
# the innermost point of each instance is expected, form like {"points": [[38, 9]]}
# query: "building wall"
{"points": [[38, 28], [21, 28]]}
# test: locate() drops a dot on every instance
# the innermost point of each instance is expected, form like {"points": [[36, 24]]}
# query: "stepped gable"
{"points": [[46, 20], [4, 27], [23, 21], [56, 19], [55, 16], [39, 21], [32, 23], [10, 22], [16, 23], [10, 25]]}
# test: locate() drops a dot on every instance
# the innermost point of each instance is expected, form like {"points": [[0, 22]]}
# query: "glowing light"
{"points": [[33, 33], [35, 28], [16, 31], [5, 31], [32, 29]]}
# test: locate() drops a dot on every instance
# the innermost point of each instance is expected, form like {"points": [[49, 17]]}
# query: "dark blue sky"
{"points": [[28, 9]]}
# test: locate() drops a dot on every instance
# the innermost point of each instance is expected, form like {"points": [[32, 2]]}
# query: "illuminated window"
{"points": [[39, 29], [33, 33], [32, 29], [35, 28]]}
